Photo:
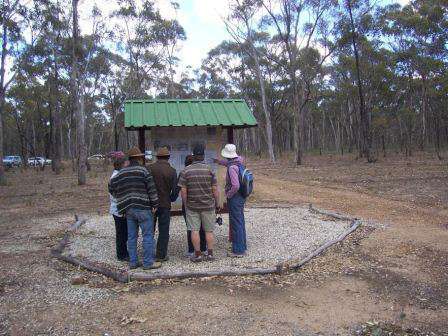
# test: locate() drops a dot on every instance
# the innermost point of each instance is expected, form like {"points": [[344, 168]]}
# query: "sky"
{"points": [[201, 19]]}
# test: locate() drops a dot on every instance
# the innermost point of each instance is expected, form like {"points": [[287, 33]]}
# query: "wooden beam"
{"points": [[230, 139], [141, 140]]}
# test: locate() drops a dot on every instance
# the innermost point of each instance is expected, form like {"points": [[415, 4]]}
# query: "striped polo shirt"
{"points": [[134, 187], [198, 179]]}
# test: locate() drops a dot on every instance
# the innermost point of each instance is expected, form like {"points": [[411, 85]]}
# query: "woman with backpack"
{"points": [[236, 198]]}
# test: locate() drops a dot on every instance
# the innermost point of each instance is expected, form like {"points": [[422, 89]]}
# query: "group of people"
{"points": [[141, 197]]}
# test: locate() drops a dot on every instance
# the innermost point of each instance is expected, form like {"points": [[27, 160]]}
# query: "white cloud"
{"points": [[210, 12]]}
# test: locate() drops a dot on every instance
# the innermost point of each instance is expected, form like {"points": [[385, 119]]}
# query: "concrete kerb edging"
{"points": [[124, 276]]}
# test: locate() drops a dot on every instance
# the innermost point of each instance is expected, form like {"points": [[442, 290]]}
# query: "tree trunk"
{"points": [[78, 104], [267, 114], [57, 122], [2, 100], [365, 120]]}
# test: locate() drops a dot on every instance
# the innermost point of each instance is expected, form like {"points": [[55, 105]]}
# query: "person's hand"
{"points": [[153, 210]]}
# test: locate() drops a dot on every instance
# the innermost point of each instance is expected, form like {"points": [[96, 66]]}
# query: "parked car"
{"points": [[96, 158], [12, 161], [38, 161]]}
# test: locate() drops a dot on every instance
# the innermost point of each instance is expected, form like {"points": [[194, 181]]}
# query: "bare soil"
{"points": [[389, 278]]}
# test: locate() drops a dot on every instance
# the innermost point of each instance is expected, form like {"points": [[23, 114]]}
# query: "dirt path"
{"points": [[389, 277]]}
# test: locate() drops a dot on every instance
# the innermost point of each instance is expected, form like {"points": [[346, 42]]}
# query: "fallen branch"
{"points": [[295, 263], [63, 243], [120, 276], [331, 214], [57, 252], [183, 275]]}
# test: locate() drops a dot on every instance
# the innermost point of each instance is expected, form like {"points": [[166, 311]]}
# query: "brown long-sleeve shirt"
{"points": [[165, 179]]}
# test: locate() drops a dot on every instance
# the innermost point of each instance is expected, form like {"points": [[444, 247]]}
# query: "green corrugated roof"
{"points": [[187, 112]]}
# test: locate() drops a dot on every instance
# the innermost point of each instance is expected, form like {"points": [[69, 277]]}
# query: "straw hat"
{"points": [[229, 151], [135, 152], [163, 151]]}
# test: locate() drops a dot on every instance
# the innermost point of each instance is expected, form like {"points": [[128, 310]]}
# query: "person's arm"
{"points": [[234, 181], [215, 189], [182, 184], [183, 194], [151, 190], [216, 196], [112, 186], [175, 189]]}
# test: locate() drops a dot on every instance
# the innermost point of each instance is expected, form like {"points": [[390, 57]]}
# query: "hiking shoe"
{"points": [[154, 265], [134, 266], [163, 259], [194, 258], [235, 255]]}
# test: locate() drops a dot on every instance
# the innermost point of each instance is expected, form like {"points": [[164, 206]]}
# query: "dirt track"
{"points": [[395, 275]]}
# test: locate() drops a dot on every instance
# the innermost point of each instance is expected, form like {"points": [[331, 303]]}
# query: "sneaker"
{"points": [[188, 254], [163, 259], [210, 257], [134, 266], [235, 255], [194, 258], [154, 265]]}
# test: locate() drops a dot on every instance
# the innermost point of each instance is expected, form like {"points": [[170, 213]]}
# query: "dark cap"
{"points": [[198, 150]]}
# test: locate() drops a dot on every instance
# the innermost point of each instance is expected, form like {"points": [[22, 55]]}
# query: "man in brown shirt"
{"points": [[199, 193], [165, 179]]}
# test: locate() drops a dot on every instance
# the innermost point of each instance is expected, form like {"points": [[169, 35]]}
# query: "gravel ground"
{"points": [[273, 235]]}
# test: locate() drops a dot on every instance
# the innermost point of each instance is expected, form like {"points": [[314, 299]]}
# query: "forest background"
{"points": [[347, 76]]}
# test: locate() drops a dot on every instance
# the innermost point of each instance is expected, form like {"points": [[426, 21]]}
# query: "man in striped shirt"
{"points": [[136, 195], [199, 193]]}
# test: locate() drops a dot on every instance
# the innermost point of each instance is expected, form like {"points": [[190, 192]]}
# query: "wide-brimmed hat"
{"points": [[135, 152], [163, 151], [229, 151]]}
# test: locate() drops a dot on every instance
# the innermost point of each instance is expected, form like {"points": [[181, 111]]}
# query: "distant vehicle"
{"points": [[148, 155], [38, 161], [12, 161], [96, 157]]}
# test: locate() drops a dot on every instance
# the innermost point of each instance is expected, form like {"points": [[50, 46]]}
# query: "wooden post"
{"points": [[230, 135], [141, 139]]}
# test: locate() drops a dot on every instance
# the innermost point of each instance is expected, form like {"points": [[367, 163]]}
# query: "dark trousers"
{"points": [[237, 223], [162, 219], [121, 237], [201, 236]]}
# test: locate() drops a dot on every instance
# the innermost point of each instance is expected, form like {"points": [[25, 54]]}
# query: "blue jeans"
{"points": [[140, 218], [237, 223]]}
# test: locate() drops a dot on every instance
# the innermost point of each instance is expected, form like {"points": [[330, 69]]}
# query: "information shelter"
{"points": [[180, 124]]}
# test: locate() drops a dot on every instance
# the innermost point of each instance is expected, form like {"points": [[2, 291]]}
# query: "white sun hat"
{"points": [[229, 151]]}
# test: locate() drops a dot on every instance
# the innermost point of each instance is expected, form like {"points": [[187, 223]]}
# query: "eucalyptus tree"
{"points": [[240, 26], [77, 104], [145, 37], [417, 35], [12, 17], [302, 31]]}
